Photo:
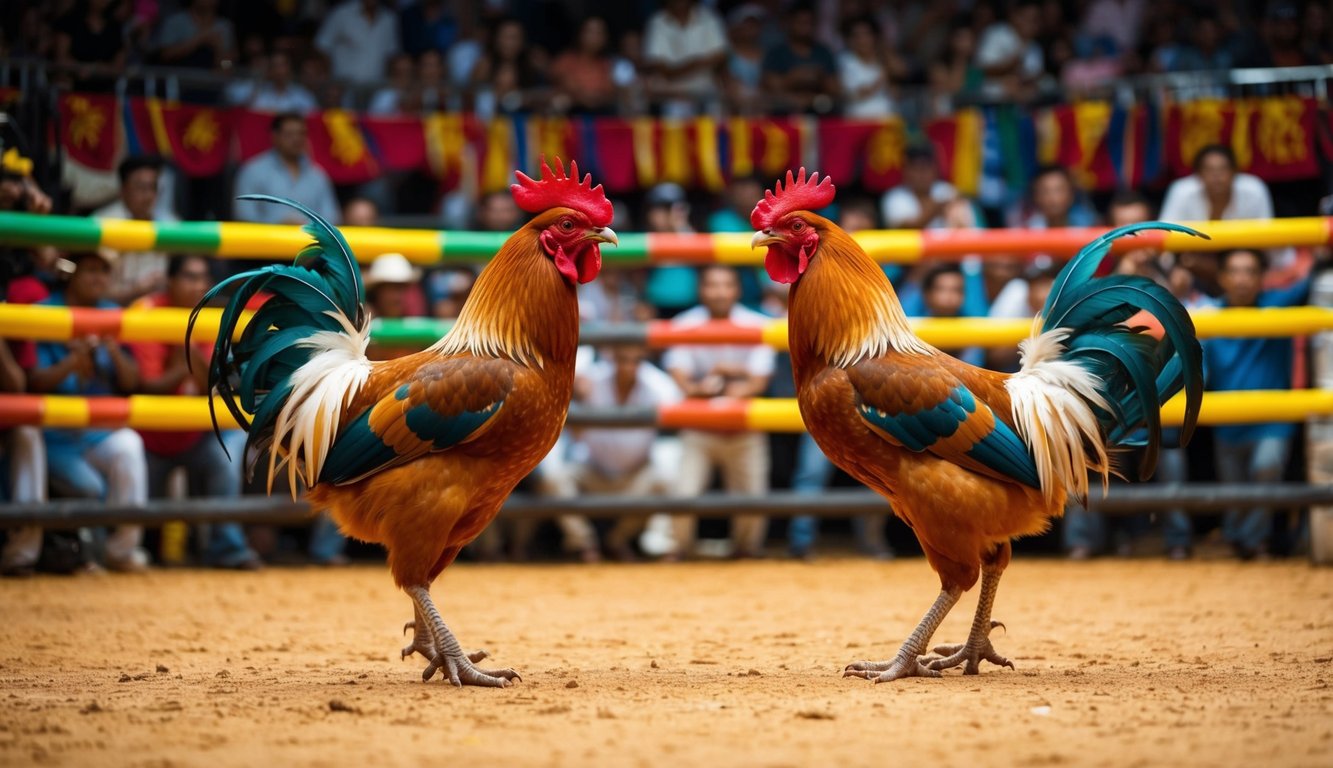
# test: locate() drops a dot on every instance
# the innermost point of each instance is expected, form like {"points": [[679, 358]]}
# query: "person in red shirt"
{"points": [[167, 369]]}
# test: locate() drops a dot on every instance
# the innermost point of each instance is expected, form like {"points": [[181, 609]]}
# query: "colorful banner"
{"points": [[1273, 138], [1105, 145], [88, 130], [197, 139]]}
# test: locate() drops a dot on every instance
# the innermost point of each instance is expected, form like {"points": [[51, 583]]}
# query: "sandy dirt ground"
{"points": [[1140, 663]]}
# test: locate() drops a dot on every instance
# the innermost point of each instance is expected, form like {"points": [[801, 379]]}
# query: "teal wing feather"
{"points": [[926, 409], [442, 405]]}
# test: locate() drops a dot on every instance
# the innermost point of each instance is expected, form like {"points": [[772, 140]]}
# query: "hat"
{"points": [[665, 194], [391, 268]]}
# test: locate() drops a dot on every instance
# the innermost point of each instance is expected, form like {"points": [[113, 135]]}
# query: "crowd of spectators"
{"points": [[128, 467], [670, 57], [859, 59]]}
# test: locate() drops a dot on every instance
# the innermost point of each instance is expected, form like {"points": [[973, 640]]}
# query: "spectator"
{"points": [[954, 73], [361, 212], [498, 212], [1008, 54], [863, 71], [448, 289], [943, 290], [671, 287], [137, 272], [1217, 191], [582, 75], [426, 25], [924, 200], [94, 463], [1251, 453], [801, 74], [745, 58], [1208, 49], [740, 196], [197, 37], [277, 92], [359, 37], [171, 369], [388, 282], [505, 78], [285, 171], [22, 450], [684, 46], [1053, 201], [722, 371], [432, 92], [1117, 21], [614, 461], [91, 34], [398, 94]]}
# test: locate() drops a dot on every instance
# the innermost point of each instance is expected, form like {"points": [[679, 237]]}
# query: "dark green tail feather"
{"points": [[256, 368], [1139, 373]]}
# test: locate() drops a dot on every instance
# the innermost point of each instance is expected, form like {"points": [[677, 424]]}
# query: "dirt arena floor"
{"points": [[1141, 663]]}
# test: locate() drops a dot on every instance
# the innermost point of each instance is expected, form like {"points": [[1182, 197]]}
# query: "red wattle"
{"points": [[590, 263], [781, 267]]}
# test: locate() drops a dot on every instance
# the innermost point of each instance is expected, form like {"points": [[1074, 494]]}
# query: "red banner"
{"points": [[197, 139], [1272, 137], [88, 129], [1105, 146], [338, 146]]}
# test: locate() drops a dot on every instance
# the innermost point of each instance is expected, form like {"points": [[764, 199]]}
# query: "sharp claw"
{"points": [[999, 624], [409, 625], [477, 656]]}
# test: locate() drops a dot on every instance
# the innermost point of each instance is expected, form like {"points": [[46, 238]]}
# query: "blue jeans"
{"points": [[1087, 529], [211, 474], [812, 476], [1251, 461], [813, 472]]}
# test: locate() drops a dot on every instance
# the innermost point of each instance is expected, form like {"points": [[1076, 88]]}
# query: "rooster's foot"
{"points": [[973, 652], [424, 644], [461, 671], [902, 665]]}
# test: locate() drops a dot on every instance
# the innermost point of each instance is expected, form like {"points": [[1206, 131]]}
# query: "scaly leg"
{"points": [[907, 663], [978, 645], [433, 640]]}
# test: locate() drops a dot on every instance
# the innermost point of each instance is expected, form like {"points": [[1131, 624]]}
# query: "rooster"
{"points": [[416, 453], [970, 458]]}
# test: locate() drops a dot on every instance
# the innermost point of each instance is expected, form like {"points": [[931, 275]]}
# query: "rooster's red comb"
{"points": [[556, 190], [798, 195]]}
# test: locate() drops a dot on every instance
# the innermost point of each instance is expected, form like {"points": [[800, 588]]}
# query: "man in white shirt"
{"points": [[277, 92], [137, 273], [1008, 53], [1217, 190], [683, 47], [924, 200], [359, 37], [614, 461], [718, 371]]}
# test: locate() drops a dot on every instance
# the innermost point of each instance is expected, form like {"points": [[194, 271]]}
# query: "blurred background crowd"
{"points": [[671, 58]]}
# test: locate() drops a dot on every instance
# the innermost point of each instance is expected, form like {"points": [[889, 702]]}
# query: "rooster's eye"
{"points": [[566, 224], [797, 226]]}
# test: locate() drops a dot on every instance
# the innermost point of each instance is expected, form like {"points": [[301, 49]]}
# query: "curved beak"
{"points": [[603, 235], [765, 237]]}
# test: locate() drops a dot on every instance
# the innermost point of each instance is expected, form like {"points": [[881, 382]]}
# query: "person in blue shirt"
{"points": [[1255, 453], [94, 463]]}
